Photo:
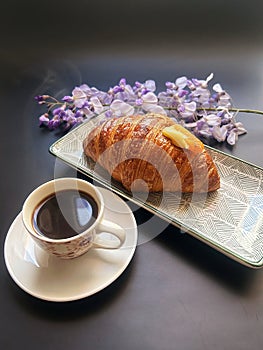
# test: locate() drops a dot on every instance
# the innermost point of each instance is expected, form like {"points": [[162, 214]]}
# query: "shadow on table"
{"points": [[238, 278]]}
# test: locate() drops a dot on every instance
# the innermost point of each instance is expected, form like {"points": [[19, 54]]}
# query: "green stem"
{"points": [[239, 110], [230, 109]]}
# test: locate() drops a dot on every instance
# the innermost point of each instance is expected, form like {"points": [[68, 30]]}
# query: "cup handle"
{"points": [[109, 227]]}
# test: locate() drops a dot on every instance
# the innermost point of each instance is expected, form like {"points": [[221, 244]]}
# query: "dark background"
{"points": [[177, 293], [33, 31]]}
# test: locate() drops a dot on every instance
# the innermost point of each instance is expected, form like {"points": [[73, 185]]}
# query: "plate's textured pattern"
{"points": [[230, 219]]}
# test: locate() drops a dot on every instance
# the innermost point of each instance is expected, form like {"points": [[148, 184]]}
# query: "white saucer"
{"points": [[49, 278]]}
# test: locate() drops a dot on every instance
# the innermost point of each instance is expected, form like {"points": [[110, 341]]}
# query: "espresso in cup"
{"points": [[65, 214], [65, 217]]}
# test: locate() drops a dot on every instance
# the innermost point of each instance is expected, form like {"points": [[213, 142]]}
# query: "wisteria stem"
{"points": [[233, 109]]}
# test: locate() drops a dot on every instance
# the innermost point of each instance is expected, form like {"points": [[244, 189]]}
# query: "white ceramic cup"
{"points": [[67, 248]]}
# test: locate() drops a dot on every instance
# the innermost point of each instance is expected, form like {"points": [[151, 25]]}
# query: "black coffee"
{"points": [[65, 214]]}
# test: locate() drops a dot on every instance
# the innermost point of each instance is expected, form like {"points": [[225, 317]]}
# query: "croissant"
{"points": [[152, 153]]}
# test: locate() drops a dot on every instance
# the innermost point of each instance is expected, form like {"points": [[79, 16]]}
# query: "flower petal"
{"points": [[96, 104], [150, 85], [190, 106], [120, 108], [232, 137], [181, 82], [43, 119], [220, 133], [217, 88], [212, 119], [240, 128], [79, 97], [210, 77], [149, 97], [153, 108]]}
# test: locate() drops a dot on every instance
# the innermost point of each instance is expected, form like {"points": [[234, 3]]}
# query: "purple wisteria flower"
{"points": [[207, 113]]}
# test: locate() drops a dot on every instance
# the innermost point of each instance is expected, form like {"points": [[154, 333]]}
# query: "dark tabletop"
{"points": [[177, 293]]}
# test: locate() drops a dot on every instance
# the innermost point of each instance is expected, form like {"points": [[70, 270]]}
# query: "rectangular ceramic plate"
{"points": [[229, 220]]}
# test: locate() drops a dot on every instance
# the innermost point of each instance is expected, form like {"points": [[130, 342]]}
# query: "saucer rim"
{"points": [[77, 296]]}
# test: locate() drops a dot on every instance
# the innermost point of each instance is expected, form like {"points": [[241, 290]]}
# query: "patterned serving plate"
{"points": [[229, 220]]}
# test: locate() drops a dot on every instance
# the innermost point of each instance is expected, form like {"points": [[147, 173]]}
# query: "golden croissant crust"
{"points": [[152, 153]]}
